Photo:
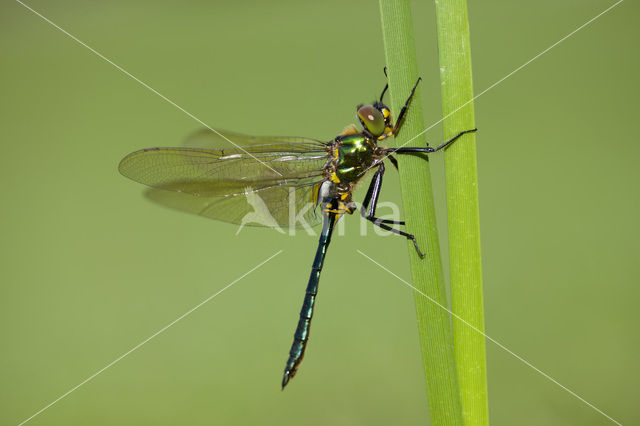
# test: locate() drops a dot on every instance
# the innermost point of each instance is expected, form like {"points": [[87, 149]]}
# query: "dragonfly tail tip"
{"points": [[285, 379]]}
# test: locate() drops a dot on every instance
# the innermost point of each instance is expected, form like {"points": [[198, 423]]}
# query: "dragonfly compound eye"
{"points": [[372, 119]]}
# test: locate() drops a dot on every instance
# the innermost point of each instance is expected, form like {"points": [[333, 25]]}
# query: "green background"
{"points": [[90, 269]]}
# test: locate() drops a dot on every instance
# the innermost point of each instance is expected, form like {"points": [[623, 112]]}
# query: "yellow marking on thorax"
{"points": [[388, 132], [334, 153]]}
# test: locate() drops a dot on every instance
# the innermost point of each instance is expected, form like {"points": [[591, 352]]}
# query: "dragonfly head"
{"points": [[375, 119]]}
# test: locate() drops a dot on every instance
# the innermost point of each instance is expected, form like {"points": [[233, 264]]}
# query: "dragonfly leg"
{"points": [[384, 91], [428, 149], [393, 161], [386, 86], [370, 203], [403, 111]]}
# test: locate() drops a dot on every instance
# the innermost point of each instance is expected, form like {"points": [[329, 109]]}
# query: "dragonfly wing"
{"points": [[269, 183], [277, 206], [209, 139], [222, 172]]}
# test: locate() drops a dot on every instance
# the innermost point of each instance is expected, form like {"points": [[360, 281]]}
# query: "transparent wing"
{"points": [[277, 206], [209, 172], [209, 139], [270, 183]]}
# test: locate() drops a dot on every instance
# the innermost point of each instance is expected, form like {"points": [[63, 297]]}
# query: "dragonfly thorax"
{"points": [[354, 155]]}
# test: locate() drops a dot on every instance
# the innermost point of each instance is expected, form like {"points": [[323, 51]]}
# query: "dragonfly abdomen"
{"points": [[301, 335]]}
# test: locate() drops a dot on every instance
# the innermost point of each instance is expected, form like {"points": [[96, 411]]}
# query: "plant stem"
{"points": [[462, 208], [434, 324]]}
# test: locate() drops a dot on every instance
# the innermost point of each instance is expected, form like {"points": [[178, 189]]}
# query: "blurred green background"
{"points": [[90, 269]]}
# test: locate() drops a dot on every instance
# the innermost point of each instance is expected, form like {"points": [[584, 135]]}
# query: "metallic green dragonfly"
{"points": [[289, 177]]}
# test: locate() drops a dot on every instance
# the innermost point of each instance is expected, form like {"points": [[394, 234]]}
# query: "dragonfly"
{"points": [[285, 176]]}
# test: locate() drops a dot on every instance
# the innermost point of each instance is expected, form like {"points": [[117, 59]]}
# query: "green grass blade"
{"points": [[434, 323], [462, 208]]}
